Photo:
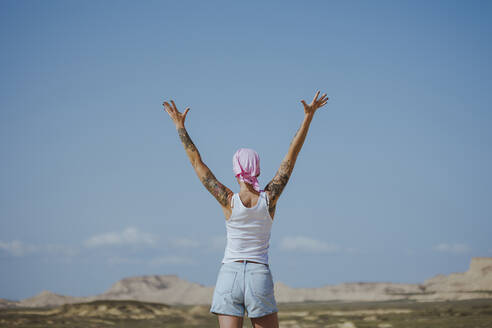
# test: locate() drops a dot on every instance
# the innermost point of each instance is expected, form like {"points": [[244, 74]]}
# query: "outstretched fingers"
{"points": [[323, 97], [322, 101], [174, 106], [172, 109], [168, 106], [316, 103], [315, 97], [177, 117]]}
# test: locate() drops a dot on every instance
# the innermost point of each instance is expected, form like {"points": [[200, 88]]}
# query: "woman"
{"points": [[244, 281]]}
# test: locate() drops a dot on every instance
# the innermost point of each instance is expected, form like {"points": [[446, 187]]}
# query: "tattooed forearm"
{"points": [[189, 147], [217, 189], [277, 185], [186, 140]]}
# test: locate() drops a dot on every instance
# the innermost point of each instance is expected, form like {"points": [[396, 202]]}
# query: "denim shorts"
{"points": [[244, 286]]}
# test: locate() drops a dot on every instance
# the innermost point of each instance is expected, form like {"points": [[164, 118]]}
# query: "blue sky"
{"points": [[393, 182]]}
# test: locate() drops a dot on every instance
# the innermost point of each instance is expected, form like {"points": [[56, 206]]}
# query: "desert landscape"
{"points": [[111, 313], [455, 300]]}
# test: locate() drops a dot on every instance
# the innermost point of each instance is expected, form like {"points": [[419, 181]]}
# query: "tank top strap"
{"points": [[264, 196], [261, 199]]}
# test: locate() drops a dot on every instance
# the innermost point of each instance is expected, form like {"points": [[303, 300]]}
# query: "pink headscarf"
{"points": [[246, 166]]}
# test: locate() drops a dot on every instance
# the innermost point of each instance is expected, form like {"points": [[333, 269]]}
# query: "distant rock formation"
{"points": [[47, 299], [167, 289], [5, 304], [357, 291], [475, 283]]}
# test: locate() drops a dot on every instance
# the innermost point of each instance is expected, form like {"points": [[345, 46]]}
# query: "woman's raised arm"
{"points": [[275, 187], [217, 189]]}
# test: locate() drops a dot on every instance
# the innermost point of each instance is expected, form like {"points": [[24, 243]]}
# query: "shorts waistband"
{"points": [[244, 262], [248, 261]]}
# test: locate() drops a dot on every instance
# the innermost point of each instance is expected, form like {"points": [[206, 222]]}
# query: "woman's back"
{"points": [[248, 231]]}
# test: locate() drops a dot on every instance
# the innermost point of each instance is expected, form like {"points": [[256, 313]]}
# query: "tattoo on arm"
{"points": [[217, 189], [277, 185], [186, 140]]}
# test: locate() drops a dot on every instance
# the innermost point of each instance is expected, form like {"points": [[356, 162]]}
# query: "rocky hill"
{"points": [[47, 298], [357, 291], [164, 289], [6, 304], [474, 283]]}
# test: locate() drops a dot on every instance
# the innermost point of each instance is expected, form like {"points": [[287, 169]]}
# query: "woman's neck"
{"points": [[246, 188]]}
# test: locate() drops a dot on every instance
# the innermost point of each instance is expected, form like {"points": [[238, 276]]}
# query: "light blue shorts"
{"points": [[244, 286]]}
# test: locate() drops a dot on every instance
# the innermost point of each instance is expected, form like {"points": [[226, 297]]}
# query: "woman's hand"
{"points": [[177, 117], [315, 104]]}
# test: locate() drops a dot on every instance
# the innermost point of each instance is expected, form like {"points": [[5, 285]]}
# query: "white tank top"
{"points": [[248, 231]]}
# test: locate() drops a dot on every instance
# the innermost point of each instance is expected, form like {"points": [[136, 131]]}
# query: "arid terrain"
{"points": [[125, 314]]}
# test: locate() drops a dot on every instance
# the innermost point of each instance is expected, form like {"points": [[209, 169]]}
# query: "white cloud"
{"points": [[184, 243], [19, 248], [452, 248], [170, 260], [306, 244], [128, 236]]}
